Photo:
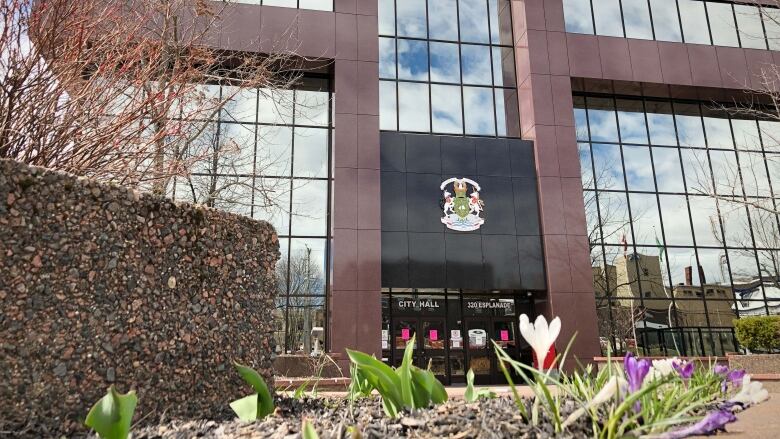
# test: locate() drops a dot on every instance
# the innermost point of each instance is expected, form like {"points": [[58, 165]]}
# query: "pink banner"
{"points": [[433, 334], [504, 335], [405, 334]]}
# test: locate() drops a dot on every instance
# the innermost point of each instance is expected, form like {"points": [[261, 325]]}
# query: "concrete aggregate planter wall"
{"points": [[756, 363], [103, 285]]}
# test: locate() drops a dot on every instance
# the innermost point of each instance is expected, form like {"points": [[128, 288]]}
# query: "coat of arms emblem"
{"points": [[462, 212]]}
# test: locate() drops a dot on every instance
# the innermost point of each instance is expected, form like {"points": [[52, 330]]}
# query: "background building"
{"points": [[604, 139]]}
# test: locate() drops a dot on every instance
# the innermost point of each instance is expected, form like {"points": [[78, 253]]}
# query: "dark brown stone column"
{"points": [[355, 312], [546, 113]]}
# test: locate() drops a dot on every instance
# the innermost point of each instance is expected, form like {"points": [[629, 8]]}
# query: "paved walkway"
{"points": [[758, 422]]}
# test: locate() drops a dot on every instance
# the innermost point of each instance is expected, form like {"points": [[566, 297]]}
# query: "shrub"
{"points": [[759, 334]]}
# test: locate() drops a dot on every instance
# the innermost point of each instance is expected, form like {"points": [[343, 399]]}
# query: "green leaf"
{"points": [[472, 394], [405, 374], [246, 408], [308, 431], [469, 395], [433, 386], [382, 378], [111, 416], [265, 403]]}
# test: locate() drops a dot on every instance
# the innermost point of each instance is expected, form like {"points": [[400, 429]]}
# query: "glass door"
{"points": [[403, 331], [478, 347], [504, 334], [432, 349]]}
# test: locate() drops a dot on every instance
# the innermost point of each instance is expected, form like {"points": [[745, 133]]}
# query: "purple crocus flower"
{"points": [[636, 370], [720, 369], [685, 370], [714, 421], [735, 377]]}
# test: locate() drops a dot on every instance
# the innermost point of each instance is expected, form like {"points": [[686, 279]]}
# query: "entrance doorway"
{"points": [[454, 331]]}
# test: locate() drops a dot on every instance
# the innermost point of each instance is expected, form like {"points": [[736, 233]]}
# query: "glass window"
{"points": [[442, 14], [240, 104], [445, 62], [751, 33], [746, 134], [724, 30], [639, 172], [413, 60], [309, 207], [694, 21], [660, 123], [311, 152], [698, 178], [677, 226], [476, 64], [411, 18], [413, 107], [275, 106], [706, 223], [387, 106], [586, 167], [609, 168], [602, 120], [272, 203], [387, 58], [317, 5], [614, 219], [631, 118], [386, 17], [503, 66], [753, 171], [771, 18], [690, 131], [736, 225], [578, 16], [445, 109], [435, 45], [274, 152], [636, 16], [500, 22], [608, 18], [473, 21], [645, 220], [665, 20], [770, 135], [581, 121], [718, 132], [311, 108], [478, 106], [725, 172], [668, 172]]}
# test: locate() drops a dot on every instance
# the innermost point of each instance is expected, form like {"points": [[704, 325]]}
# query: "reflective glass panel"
{"points": [[751, 32], [677, 226], [608, 19], [609, 169], [386, 17], [387, 106], [478, 106], [445, 63], [694, 21], [578, 17], [665, 20], [639, 173], [442, 16], [724, 29], [476, 64], [411, 18], [445, 107], [668, 172], [413, 60], [387, 58], [473, 21], [413, 107], [636, 16]]}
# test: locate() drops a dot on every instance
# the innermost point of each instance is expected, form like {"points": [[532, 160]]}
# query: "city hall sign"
{"points": [[461, 212]]}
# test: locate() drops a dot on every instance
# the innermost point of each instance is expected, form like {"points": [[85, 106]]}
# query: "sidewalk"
{"points": [[758, 422]]}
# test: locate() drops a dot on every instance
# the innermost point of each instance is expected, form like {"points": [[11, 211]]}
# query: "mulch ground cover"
{"points": [[336, 418]]}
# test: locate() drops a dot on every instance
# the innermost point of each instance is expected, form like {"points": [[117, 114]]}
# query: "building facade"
{"points": [[452, 164]]}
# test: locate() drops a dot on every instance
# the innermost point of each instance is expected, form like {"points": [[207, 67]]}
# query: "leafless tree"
{"points": [[117, 90], [302, 294]]}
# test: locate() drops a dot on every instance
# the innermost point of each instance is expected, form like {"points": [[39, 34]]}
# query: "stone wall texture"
{"points": [[104, 285]]}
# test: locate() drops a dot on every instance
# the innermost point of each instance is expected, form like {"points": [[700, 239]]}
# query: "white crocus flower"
{"points": [[615, 386], [751, 393], [540, 336], [662, 368]]}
